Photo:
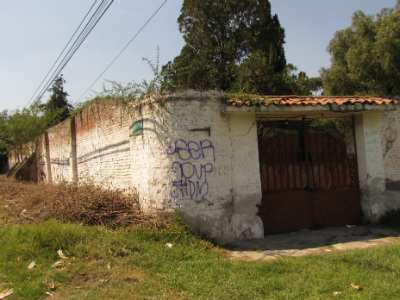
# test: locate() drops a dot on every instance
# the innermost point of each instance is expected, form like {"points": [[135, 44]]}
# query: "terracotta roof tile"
{"points": [[255, 100]]}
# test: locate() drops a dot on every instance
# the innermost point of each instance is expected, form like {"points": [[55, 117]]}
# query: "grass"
{"points": [[134, 262]]}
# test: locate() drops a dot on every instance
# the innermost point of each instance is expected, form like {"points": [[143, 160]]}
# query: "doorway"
{"points": [[309, 174]]}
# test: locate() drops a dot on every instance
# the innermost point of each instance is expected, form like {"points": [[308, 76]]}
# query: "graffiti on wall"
{"points": [[193, 164]]}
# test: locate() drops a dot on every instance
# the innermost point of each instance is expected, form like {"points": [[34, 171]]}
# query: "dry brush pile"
{"points": [[24, 201]]}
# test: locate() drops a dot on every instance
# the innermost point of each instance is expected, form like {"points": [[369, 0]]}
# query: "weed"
{"points": [[133, 91], [136, 262]]}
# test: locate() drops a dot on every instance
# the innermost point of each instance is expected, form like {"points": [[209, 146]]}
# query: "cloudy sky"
{"points": [[33, 34]]}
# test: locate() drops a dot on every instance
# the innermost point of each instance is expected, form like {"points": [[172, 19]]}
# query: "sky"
{"points": [[33, 34]]}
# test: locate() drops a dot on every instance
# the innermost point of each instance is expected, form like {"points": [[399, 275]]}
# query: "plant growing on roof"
{"points": [[133, 91]]}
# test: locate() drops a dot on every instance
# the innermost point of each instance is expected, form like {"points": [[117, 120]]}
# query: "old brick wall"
{"points": [[17, 155], [93, 147], [102, 144], [58, 152], [13, 158], [22, 161]]}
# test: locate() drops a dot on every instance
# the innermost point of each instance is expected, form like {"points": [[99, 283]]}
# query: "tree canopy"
{"points": [[231, 45], [366, 56], [20, 127], [58, 104]]}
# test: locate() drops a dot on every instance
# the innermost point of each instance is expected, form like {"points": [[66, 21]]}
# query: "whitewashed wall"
{"points": [[102, 144], [390, 133], [188, 154], [186, 160], [378, 161], [59, 152], [181, 155]]}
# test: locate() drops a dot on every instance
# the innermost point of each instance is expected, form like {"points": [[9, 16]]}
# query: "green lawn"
{"points": [[136, 264]]}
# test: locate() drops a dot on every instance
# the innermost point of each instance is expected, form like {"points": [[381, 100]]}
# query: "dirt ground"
{"points": [[311, 242]]}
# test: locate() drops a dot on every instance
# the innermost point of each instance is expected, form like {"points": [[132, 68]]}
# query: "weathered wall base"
{"points": [[376, 161], [214, 223], [377, 204]]}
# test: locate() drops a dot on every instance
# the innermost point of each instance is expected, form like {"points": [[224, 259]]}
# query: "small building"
{"points": [[237, 168]]}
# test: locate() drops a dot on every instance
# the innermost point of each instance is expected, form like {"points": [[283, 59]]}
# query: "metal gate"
{"points": [[309, 174]]}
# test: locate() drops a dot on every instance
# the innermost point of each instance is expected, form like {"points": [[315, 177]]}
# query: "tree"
{"points": [[22, 128], [3, 132], [230, 45], [301, 84], [3, 140], [366, 56], [58, 104]]}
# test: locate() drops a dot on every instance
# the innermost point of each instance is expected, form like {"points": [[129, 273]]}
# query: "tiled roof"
{"points": [[255, 100]]}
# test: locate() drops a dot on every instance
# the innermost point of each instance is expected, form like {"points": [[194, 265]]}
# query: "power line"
{"points": [[123, 49], [82, 36], [91, 23], [52, 67]]}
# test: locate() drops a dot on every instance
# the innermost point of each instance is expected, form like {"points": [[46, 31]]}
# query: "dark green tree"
{"points": [[58, 105], [366, 56], [301, 84], [230, 45], [4, 141]]}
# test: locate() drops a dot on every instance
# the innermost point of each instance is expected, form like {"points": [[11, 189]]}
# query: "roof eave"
{"points": [[343, 108]]}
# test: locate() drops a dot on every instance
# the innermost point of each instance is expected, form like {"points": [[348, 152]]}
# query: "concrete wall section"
{"points": [[245, 177], [390, 133], [147, 140], [369, 151], [182, 161], [376, 200], [200, 158]]}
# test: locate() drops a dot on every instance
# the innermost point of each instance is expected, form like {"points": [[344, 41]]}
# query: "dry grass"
{"points": [[67, 202]]}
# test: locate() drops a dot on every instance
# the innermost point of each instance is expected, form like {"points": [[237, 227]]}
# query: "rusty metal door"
{"points": [[309, 174]]}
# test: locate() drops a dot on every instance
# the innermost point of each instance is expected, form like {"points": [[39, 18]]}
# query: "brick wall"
{"points": [[102, 144], [59, 152]]}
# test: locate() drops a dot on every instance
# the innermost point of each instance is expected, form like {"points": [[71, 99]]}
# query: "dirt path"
{"points": [[311, 242]]}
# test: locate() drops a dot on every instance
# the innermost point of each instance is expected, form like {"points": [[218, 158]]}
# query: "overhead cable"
{"points": [[91, 23], [52, 67], [126, 46], [82, 36]]}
